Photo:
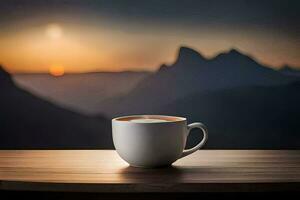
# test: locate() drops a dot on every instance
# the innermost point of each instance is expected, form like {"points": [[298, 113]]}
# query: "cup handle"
{"points": [[201, 143]]}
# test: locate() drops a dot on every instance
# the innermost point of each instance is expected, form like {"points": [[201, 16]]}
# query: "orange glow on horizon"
{"points": [[57, 70], [82, 48]]}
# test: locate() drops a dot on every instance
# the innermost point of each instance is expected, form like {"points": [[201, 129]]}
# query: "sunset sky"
{"points": [[60, 36]]}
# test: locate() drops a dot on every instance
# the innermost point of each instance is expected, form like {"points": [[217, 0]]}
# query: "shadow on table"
{"points": [[169, 174]]}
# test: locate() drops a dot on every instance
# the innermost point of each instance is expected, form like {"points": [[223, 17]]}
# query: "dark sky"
{"points": [[272, 13]]}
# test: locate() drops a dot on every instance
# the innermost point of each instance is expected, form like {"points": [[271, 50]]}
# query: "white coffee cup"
{"points": [[153, 140]]}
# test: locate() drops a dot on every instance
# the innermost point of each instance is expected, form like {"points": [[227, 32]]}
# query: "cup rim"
{"points": [[174, 119]]}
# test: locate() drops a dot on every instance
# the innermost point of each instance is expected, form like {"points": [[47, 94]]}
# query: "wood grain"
{"points": [[104, 171]]}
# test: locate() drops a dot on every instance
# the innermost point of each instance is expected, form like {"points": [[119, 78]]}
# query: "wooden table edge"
{"points": [[150, 187]]}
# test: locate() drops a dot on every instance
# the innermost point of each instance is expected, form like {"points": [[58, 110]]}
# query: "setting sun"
{"points": [[57, 70]]}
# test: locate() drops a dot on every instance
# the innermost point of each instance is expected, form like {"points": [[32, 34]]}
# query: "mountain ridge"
{"points": [[227, 70], [233, 87], [4, 76], [186, 53], [28, 122], [247, 117], [290, 70]]}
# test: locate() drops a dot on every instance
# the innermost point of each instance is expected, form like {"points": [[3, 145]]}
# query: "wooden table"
{"points": [[104, 171]]}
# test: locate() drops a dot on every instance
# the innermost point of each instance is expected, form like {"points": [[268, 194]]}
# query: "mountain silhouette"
{"points": [[258, 117], [245, 104], [29, 122], [80, 92], [192, 73], [290, 71], [188, 56], [5, 80]]}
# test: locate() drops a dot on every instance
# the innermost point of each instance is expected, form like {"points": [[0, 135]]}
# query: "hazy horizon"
{"points": [[146, 70]]}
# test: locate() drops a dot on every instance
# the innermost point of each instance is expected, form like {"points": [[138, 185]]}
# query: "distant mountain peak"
{"points": [[288, 68], [163, 67], [188, 55], [234, 51], [3, 73], [234, 55], [184, 50], [1, 68], [285, 66]]}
